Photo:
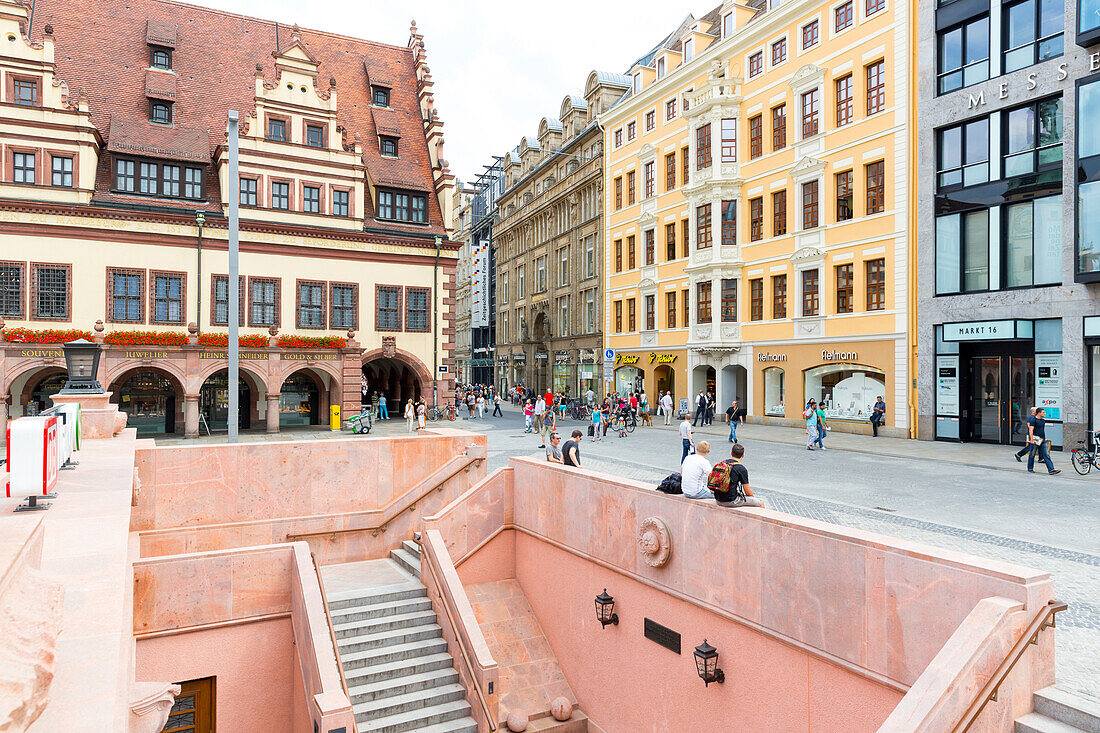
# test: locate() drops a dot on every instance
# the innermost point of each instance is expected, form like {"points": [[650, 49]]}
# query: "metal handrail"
{"points": [[1044, 619], [332, 632], [446, 472], [458, 642]]}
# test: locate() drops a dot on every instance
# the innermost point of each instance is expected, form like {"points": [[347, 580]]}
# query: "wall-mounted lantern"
{"points": [[706, 659], [605, 610]]}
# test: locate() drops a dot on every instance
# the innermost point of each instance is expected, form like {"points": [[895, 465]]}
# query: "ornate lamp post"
{"points": [[82, 362], [706, 660], [605, 610]]}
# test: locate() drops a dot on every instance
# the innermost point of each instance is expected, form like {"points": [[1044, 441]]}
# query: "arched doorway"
{"points": [[392, 378], [665, 377], [734, 386], [39, 397], [299, 400], [703, 378], [541, 334], [214, 401], [149, 400]]}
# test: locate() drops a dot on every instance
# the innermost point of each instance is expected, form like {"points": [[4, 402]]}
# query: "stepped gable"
{"points": [[102, 48]]}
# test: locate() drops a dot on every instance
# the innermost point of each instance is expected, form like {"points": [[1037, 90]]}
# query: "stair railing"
{"points": [[455, 623], [433, 482], [332, 632], [1044, 619]]}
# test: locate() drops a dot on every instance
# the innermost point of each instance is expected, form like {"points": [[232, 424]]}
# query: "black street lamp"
{"points": [[82, 361], [706, 659], [605, 610]]}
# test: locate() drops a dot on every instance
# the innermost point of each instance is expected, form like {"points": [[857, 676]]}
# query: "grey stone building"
{"points": [[1008, 219]]}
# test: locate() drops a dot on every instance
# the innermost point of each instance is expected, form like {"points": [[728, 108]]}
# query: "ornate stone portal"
{"points": [[654, 542]]}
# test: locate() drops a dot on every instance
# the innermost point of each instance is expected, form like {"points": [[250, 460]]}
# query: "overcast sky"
{"points": [[499, 67]]}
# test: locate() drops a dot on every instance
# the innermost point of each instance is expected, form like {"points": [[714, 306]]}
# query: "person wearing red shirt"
{"points": [[549, 398]]}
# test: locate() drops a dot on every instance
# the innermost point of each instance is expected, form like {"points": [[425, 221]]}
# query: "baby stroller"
{"points": [[361, 423]]}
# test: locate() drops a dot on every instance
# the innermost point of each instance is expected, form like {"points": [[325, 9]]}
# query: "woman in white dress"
{"points": [[410, 415], [421, 415]]}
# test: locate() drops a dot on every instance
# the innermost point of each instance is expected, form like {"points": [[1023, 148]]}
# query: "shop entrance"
{"points": [[214, 402], [40, 395], [299, 401], [1001, 392], [149, 401], [665, 377]]}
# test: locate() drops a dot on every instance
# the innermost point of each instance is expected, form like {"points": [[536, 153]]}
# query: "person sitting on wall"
{"points": [[729, 481], [553, 450], [694, 472]]}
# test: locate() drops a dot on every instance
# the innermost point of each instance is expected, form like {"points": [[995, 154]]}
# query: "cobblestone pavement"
{"points": [[908, 490]]}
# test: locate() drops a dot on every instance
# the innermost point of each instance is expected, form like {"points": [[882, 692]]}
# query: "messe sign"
{"points": [[32, 455]]}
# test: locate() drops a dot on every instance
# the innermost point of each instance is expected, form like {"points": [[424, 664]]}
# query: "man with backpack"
{"points": [[729, 481]]}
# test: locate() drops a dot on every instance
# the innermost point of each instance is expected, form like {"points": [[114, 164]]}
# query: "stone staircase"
{"points": [[1058, 711], [400, 675]]}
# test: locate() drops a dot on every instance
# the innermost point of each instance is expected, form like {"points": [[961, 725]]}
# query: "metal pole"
{"points": [[435, 333], [200, 220], [233, 182]]}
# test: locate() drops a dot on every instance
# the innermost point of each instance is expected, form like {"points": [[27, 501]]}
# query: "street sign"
{"points": [[609, 354]]}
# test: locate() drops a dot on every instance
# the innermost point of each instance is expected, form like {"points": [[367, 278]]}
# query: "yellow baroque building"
{"points": [[759, 199]]}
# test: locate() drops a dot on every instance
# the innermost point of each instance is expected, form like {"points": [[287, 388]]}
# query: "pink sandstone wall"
{"points": [[473, 517], [252, 664], [618, 675], [332, 494]]}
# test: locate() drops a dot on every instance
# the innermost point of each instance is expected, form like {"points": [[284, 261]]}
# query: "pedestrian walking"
{"points": [[528, 416], [421, 415], [383, 412], [822, 426], [878, 416], [496, 406], [1037, 436], [1028, 446], [546, 426], [410, 415], [734, 415], [686, 438], [666, 406], [597, 418], [700, 408], [481, 405], [810, 416]]}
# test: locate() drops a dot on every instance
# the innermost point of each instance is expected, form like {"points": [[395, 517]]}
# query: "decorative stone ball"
{"points": [[351, 334], [517, 721], [273, 330], [192, 328], [99, 326], [561, 709]]}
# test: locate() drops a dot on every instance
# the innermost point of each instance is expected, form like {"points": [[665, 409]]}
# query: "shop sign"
{"points": [[1032, 81], [502, 360], [586, 356], [655, 358], [561, 357], [541, 356], [310, 356], [1048, 384], [947, 385], [827, 355], [625, 359], [245, 355], [42, 353], [987, 330], [519, 358], [762, 356], [145, 354]]}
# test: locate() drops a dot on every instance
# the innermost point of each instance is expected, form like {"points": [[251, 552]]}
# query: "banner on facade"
{"points": [[947, 385], [1048, 384]]}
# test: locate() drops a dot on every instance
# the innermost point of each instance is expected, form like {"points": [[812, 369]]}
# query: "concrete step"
{"points": [[363, 691], [394, 637], [411, 547], [406, 560], [380, 610], [1066, 707], [386, 654], [1039, 723], [380, 674], [388, 706], [459, 725], [349, 629], [416, 720], [376, 596]]}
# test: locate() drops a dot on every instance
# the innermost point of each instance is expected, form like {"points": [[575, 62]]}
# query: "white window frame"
{"points": [[768, 65]]}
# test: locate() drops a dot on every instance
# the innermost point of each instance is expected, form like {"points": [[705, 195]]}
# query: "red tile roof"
{"points": [[101, 48]]}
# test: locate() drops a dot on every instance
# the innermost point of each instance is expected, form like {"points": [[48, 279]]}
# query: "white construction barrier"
{"points": [[32, 455]]}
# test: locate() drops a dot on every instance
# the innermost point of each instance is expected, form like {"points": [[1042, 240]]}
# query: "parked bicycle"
{"points": [[1083, 459], [579, 411], [442, 412]]}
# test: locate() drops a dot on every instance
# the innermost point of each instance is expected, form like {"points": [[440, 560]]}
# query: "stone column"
{"points": [[272, 413], [190, 416]]}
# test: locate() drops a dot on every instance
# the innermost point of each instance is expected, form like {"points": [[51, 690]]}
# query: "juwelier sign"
{"points": [[988, 330]]}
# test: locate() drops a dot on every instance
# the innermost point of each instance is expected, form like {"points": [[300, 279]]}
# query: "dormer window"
{"points": [[161, 113], [637, 83], [388, 146], [402, 206], [25, 92], [660, 68], [689, 49], [160, 58], [727, 25], [276, 130], [315, 136], [380, 96]]}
